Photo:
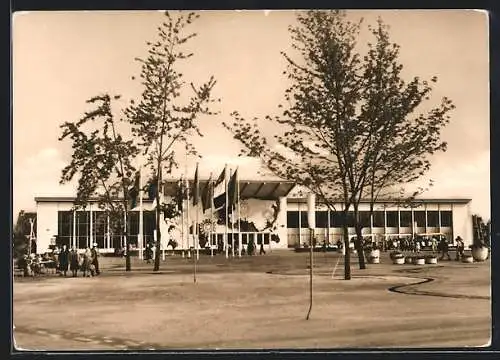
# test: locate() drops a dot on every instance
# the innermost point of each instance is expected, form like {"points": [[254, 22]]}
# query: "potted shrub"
{"points": [[419, 259], [467, 258], [409, 259], [431, 259], [373, 255], [397, 257], [479, 248]]}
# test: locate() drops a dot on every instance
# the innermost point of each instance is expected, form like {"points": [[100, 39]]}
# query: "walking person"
{"points": [[86, 263], [460, 248], [74, 261], [262, 251], [95, 259], [443, 247], [55, 257], [63, 261]]}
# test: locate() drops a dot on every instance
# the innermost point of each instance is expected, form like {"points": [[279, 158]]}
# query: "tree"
{"points": [[351, 130], [21, 233], [163, 118], [102, 161]]}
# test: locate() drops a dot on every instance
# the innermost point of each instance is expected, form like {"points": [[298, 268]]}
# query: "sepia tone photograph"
{"points": [[250, 179]]}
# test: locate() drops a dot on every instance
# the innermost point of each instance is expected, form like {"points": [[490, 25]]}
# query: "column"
{"points": [[328, 225], [399, 220], [300, 225], [426, 218], [74, 240], [91, 227], [108, 240], [439, 217], [371, 227]]}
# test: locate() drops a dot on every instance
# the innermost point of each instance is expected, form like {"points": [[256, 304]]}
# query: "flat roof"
{"points": [[392, 201]]}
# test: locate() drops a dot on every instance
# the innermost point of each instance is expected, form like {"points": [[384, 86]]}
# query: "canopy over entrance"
{"points": [[249, 189]]}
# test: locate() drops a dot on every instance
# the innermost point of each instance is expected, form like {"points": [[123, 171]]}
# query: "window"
{"points": [[392, 219], [364, 218], [335, 219], [133, 224], [405, 218], [99, 227], [82, 228], [432, 218], [292, 219], [378, 219], [446, 219], [322, 219], [420, 218], [64, 228], [303, 220]]}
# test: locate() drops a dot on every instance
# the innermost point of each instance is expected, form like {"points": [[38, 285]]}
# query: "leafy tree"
{"points": [[102, 162], [352, 128], [21, 233], [165, 114]]}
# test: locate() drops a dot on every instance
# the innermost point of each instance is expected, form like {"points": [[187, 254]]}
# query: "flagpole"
{"points": [[182, 215], [198, 203], [141, 216], [227, 212], [239, 218], [211, 197]]}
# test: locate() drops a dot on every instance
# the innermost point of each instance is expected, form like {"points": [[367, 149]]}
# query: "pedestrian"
{"points": [[434, 244], [63, 261], [86, 263], [262, 251], [460, 248], [55, 257], [443, 247], [74, 261], [95, 259]]}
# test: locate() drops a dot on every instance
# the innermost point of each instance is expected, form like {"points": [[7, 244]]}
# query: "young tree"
{"points": [[351, 127], [102, 161], [21, 234], [165, 114]]}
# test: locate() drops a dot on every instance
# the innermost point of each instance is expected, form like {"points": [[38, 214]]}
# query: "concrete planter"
{"points": [[373, 260], [398, 261], [431, 260], [419, 261], [467, 259], [480, 253]]}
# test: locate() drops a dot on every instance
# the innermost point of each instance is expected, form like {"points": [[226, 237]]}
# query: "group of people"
{"points": [[63, 260], [87, 262]]}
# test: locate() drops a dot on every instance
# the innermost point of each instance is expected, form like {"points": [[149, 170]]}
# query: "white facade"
{"points": [[258, 211]]}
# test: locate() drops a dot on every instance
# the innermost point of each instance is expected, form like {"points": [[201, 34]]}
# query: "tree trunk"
{"points": [[158, 238], [347, 256], [127, 256], [359, 247]]}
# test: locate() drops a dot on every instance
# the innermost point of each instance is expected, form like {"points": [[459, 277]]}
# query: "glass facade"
{"points": [[84, 232]]}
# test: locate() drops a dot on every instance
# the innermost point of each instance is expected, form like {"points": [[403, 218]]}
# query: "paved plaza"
{"points": [[256, 302]]}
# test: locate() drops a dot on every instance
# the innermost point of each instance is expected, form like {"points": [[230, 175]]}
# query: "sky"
{"points": [[60, 59]]}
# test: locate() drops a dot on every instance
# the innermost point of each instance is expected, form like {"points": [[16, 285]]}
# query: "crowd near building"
{"points": [[260, 204]]}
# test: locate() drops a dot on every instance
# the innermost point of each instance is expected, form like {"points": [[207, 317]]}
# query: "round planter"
{"points": [[373, 260], [431, 260], [467, 259], [480, 253], [375, 253], [398, 261], [409, 260], [418, 261]]}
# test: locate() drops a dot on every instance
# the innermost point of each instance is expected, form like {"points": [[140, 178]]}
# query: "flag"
{"points": [[207, 195], [196, 185], [152, 188], [220, 190], [133, 191], [233, 189], [180, 194]]}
